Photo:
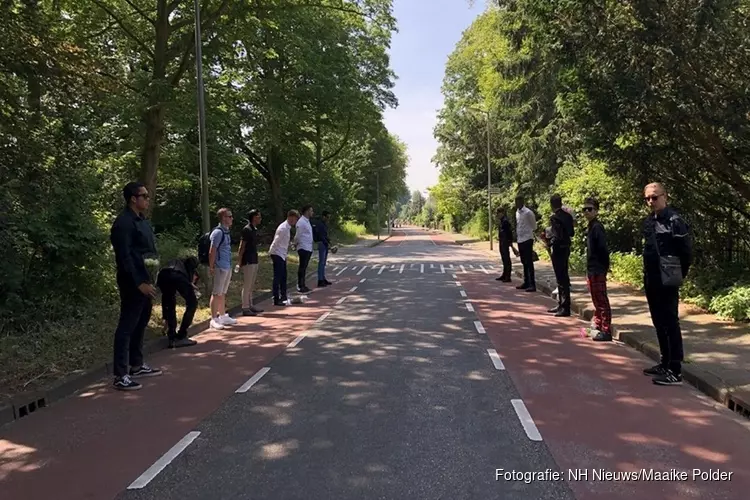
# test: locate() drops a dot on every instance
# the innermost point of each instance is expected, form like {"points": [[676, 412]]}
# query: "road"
{"points": [[416, 375]]}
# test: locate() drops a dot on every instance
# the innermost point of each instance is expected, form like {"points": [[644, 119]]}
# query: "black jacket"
{"points": [[133, 241], [250, 237], [505, 234], [563, 229], [671, 234], [597, 251], [322, 228]]}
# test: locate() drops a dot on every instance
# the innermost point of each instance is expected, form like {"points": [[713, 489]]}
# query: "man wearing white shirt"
{"points": [[303, 241], [279, 251], [525, 227]]}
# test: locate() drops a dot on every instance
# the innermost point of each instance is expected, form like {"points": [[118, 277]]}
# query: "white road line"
{"points": [[339, 273], [496, 359], [454, 276], [341, 300], [421, 269], [463, 269], [451, 266], [485, 270], [253, 380], [458, 283], [353, 289], [334, 269], [442, 269], [432, 266], [492, 267], [296, 341], [469, 307], [354, 268], [402, 269], [463, 294], [165, 460], [323, 317], [363, 280], [393, 266], [433, 241], [361, 270], [526, 421], [471, 266], [479, 327], [382, 269]]}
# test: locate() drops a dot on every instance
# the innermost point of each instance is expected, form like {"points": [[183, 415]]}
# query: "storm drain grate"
{"points": [[739, 408], [30, 407]]}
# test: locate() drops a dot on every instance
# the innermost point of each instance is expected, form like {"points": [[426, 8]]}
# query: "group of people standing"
{"points": [[667, 257], [134, 244]]}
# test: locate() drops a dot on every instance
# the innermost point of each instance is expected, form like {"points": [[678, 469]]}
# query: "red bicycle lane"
{"points": [[598, 413], [94, 444]]}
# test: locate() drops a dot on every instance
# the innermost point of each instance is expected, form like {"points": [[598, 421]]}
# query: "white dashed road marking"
{"points": [[463, 269], [323, 317], [165, 460], [526, 421], [454, 276], [361, 270], [479, 327], [485, 270], [253, 380], [339, 273], [469, 307], [363, 280], [495, 357], [296, 341], [421, 269], [402, 269], [382, 269], [463, 294], [353, 289], [341, 300], [442, 269], [458, 283]]}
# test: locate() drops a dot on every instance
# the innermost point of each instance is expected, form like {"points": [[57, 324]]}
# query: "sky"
{"points": [[428, 33]]}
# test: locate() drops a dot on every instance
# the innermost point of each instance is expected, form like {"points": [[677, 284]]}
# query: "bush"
{"points": [[477, 225], [733, 304], [349, 232], [627, 268]]}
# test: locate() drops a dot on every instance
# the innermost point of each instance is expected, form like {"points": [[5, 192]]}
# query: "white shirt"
{"points": [[304, 237], [525, 224], [280, 244]]}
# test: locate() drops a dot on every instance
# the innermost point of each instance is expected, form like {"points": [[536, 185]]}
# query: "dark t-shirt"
{"points": [[250, 237]]}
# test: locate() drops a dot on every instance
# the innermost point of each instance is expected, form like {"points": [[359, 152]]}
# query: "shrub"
{"points": [[734, 304], [627, 268]]}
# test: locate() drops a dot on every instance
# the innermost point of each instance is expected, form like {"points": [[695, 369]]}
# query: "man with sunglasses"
{"points": [[666, 237], [132, 241], [597, 267]]}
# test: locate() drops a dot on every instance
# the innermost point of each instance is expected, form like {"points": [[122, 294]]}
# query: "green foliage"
{"points": [[734, 304], [349, 232], [627, 268]]}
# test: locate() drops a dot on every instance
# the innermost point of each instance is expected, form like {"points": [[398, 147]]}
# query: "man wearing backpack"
{"points": [[220, 267], [667, 257], [320, 235], [303, 241]]}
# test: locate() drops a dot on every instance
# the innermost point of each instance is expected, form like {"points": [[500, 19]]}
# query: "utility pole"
{"points": [[377, 175], [489, 181], [201, 119]]}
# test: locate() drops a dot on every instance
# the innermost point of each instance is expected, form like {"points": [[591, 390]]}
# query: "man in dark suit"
{"points": [[505, 240], [562, 228]]}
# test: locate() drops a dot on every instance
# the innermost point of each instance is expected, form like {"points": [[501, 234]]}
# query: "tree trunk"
{"points": [[275, 171], [154, 118]]}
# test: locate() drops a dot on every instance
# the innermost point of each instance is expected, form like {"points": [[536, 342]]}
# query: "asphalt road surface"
{"points": [[415, 376]]}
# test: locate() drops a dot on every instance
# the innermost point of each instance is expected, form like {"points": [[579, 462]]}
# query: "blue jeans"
{"points": [[322, 258]]}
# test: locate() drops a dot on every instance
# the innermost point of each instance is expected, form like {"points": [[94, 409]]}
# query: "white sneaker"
{"points": [[216, 325], [227, 320]]}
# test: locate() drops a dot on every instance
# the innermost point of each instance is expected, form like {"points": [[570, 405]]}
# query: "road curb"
{"points": [[25, 404]]}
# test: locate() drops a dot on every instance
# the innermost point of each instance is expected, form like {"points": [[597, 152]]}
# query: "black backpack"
{"points": [[316, 233], [204, 246]]}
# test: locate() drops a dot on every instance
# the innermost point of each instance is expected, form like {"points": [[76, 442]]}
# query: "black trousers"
{"points": [[304, 260], [279, 278], [663, 302], [561, 263], [171, 283], [526, 249], [505, 257], [135, 312]]}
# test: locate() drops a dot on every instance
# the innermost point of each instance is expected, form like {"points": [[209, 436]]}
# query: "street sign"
{"points": [[494, 190]]}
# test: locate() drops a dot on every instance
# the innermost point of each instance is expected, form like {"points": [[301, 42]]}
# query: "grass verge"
{"points": [[46, 352]]}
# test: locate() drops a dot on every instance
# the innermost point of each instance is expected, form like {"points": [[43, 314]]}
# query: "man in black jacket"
{"points": [[505, 240], [665, 234], [133, 241], [597, 267], [178, 276], [562, 227], [324, 245]]}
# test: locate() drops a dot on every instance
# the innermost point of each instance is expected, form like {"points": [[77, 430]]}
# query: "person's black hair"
{"points": [[252, 213], [325, 213], [556, 201], [520, 199], [131, 189], [593, 202], [305, 208], [191, 265]]}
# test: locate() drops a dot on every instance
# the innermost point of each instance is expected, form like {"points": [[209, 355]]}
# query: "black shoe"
{"points": [[322, 284], [530, 289], [279, 303], [655, 371], [184, 342], [554, 310], [328, 283], [256, 310], [522, 287], [602, 337], [562, 313], [303, 289], [144, 371], [669, 378], [126, 384], [249, 312], [506, 280]]}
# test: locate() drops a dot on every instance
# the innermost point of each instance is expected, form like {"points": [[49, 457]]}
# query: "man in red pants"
{"points": [[597, 263]]}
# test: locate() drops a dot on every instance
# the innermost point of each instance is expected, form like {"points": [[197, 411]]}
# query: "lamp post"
{"points": [[206, 222], [377, 175], [489, 174]]}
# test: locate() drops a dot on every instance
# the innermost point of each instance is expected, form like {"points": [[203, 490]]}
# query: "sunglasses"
{"points": [[588, 209], [651, 198], [145, 196]]}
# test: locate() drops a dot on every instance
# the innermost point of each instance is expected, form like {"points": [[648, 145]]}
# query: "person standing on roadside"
{"points": [[667, 257], [525, 227], [505, 241], [248, 256], [278, 251], [220, 267], [132, 241], [597, 267], [303, 241], [562, 230], [324, 243], [178, 276]]}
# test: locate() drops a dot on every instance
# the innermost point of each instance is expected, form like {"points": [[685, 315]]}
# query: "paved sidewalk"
{"points": [[717, 353]]}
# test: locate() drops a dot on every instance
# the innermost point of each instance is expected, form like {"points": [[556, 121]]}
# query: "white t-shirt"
{"points": [[525, 224], [280, 244], [304, 237]]}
